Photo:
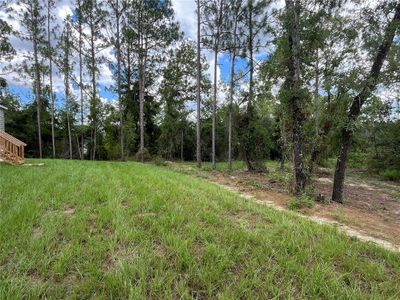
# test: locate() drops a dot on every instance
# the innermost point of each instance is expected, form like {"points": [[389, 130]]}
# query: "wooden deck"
{"points": [[11, 149]]}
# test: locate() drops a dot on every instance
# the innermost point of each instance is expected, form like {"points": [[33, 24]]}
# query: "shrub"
{"points": [[281, 176], [301, 202], [357, 159], [146, 155], [391, 175], [159, 161]]}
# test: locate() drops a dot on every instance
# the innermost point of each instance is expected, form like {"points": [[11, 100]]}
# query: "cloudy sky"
{"points": [[184, 13]]}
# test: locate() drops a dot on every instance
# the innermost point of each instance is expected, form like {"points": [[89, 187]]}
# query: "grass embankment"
{"points": [[117, 230]]}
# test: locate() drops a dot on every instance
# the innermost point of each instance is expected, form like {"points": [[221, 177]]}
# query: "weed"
{"points": [[159, 161], [301, 202], [391, 175]]}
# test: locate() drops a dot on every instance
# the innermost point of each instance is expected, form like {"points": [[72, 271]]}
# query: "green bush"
{"points": [[159, 161], [301, 202], [357, 159], [281, 176], [146, 155], [391, 175]]}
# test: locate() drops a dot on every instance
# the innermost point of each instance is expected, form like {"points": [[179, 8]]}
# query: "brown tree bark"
{"points": [[218, 24], [94, 96], [231, 89], [214, 106], [34, 8], [198, 99], [355, 108], [53, 143], [181, 145], [66, 87], [293, 8], [118, 52], [80, 43], [247, 159]]}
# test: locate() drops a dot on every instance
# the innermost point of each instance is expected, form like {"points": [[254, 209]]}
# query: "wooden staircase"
{"points": [[11, 149]]}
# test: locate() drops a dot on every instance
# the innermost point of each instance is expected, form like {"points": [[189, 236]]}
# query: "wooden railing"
{"points": [[10, 151]]}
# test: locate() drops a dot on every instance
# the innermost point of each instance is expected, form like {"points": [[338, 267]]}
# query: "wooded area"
{"points": [[309, 81]]}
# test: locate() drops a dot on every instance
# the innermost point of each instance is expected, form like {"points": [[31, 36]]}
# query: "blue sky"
{"points": [[224, 63], [184, 13]]}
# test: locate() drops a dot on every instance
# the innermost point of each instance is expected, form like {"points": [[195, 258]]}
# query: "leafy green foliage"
{"points": [[7, 51], [301, 202], [391, 175], [177, 89]]}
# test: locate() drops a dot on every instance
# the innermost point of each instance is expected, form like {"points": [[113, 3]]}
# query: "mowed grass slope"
{"points": [[75, 229]]}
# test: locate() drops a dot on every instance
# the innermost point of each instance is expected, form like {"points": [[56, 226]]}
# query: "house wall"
{"points": [[2, 120]]}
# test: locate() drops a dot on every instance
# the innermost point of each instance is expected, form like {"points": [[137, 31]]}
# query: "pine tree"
{"points": [[215, 31], [49, 52], [118, 8], [155, 30], [28, 13], [93, 16], [65, 45]]}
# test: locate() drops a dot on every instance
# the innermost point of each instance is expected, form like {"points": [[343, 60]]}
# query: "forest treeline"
{"points": [[309, 81]]}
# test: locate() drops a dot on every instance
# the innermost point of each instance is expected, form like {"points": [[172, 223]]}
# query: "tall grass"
{"points": [[73, 229]]}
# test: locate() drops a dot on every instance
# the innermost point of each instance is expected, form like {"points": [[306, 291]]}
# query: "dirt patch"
{"points": [[371, 211], [37, 232], [69, 211], [108, 232], [125, 205], [159, 249], [122, 252], [148, 214]]}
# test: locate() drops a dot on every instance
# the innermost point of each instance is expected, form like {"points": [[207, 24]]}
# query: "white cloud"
{"points": [[64, 11]]}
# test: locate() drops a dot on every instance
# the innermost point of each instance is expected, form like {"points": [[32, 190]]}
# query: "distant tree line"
{"points": [[312, 87]]}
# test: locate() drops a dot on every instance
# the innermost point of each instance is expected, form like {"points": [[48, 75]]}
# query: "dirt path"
{"points": [[371, 210], [318, 219]]}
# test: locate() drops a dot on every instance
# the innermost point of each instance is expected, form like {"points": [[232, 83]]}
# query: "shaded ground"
{"points": [[371, 208]]}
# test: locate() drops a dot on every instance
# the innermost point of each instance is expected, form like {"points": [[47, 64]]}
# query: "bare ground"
{"points": [[371, 211]]}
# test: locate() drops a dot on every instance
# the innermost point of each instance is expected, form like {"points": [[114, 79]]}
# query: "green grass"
{"points": [[108, 230]]}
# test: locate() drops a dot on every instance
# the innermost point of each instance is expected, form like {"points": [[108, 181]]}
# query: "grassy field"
{"points": [[74, 229]]}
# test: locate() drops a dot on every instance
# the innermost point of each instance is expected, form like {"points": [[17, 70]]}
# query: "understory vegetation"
{"points": [[117, 230]]}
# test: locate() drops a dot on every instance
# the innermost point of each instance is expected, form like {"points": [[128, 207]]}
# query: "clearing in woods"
{"points": [[117, 230]]}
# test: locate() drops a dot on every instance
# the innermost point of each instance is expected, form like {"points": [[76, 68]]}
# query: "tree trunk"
{"points": [[316, 144], [231, 92], [118, 52], [355, 109], [198, 79], [295, 100], [53, 143], [37, 78], [141, 106], [94, 97], [247, 159], [141, 88], [67, 94], [69, 135], [182, 145], [216, 50], [77, 143], [214, 107], [81, 80]]}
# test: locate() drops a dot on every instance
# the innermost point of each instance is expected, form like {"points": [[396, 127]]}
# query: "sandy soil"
{"points": [[371, 211]]}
